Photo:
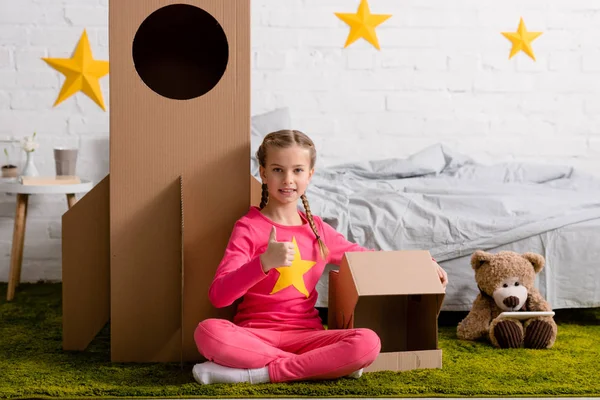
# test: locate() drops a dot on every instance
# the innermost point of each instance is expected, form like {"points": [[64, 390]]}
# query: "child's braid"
{"points": [[264, 197], [324, 250]]}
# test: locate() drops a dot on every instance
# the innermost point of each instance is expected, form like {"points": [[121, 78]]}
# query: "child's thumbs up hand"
{"points": [[278, 254], [273, 235]]}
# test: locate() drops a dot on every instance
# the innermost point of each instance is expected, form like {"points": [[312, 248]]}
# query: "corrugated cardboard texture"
{"points": [[406, 361], [255, 191], [182, 263], [403, 323], [154, 140], [396, 272], [345, 301], [333, 308], [386, 315], [86, 267]]}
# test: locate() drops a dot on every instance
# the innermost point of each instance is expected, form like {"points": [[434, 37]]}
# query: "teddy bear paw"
{"points": [[508, 334], [538, 334]]}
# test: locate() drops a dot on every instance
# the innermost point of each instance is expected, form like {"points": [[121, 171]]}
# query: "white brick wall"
{"points": [[442, 75]]}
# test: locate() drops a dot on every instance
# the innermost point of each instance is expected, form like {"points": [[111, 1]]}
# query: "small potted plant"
{"points": [[9, 170]]}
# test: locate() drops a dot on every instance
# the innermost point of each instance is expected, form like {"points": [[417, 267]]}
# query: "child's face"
{"points": [[287, 173]]}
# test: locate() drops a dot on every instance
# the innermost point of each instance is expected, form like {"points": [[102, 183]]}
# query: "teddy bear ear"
{"points": [[479, 258], [536, 260]]}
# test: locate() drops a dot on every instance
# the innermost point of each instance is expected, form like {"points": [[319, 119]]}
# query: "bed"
{"points": [[445, 202]]}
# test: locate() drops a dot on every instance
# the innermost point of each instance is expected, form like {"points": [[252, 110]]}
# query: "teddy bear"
{"points": [[506, 283]]}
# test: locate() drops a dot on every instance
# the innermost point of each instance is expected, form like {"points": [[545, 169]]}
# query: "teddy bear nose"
{"points": [[511, 301]]}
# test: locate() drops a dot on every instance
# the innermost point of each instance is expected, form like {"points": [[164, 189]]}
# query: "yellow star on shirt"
{"points": [[294, 274], [521, 40], [362, 24], [82, 73]]}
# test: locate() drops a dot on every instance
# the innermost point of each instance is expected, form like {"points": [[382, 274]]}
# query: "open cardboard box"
{"points": [[397, 294]]}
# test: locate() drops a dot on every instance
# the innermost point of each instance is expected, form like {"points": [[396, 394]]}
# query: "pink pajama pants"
{"points": [[289, 355]]}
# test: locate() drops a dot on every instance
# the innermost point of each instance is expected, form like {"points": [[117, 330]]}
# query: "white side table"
{"points": [[23, 192]]}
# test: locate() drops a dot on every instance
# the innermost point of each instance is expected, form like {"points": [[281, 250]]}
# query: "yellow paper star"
{"points": [[362, 24], [81, 72], [294, 274], [521, 40]]}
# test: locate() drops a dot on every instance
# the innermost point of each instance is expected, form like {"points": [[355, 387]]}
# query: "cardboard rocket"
{"points": [[142, 247]]}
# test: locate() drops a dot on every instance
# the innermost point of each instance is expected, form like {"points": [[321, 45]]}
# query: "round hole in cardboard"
{"points": [[180, 51]]}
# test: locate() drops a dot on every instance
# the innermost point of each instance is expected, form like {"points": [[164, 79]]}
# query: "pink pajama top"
{"points": [[285, 297]]}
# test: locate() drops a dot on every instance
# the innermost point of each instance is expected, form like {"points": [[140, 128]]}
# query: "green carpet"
{"points": [[33, 365]]}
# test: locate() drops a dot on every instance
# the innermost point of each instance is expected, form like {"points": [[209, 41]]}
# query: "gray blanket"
{"points": [[446, 203]]}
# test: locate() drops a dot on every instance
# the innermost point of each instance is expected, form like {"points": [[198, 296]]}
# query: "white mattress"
{"points": [[570, 279]]}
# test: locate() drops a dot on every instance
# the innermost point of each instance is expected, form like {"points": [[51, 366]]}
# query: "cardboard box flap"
{"points": [[397, 272], [86, 267], [345, 300], [406, 361]]}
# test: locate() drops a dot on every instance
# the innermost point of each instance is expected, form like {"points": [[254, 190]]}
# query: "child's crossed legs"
{"points": [[287, 355]]}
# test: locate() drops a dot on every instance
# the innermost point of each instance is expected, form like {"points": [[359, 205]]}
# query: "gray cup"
{"points": [[65, 161]]}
